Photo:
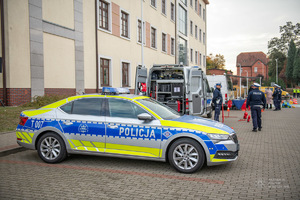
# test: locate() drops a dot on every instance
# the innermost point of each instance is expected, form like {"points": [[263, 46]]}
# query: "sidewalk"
{"points": [[8, 143]]}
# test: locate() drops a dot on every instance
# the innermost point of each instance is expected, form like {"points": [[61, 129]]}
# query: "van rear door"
{"points": [[196, 97], [141, 76]]}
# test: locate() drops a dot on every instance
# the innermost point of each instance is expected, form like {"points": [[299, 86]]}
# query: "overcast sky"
{"points": [[235, 26]]}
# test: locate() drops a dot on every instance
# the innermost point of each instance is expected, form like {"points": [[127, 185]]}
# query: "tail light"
{"points": [[187, 104], [23, 120], [178, 106], [225, 96]]}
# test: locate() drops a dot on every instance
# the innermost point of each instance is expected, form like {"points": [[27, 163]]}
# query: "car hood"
{"points": [[204, 122]]}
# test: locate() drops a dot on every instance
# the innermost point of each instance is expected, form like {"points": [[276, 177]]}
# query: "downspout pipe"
{"points": [[96, 38], [3, 54]]}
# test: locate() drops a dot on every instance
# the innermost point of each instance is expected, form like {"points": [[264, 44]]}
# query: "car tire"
{"points": [[51, 148], [186, 155]]}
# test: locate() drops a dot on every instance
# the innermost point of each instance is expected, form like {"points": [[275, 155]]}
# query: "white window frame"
{"points": [[109, 17], [166, 48], [155, 37], [137, 31], [255, 69], [120, 14], [165, 14], [155, 4], [110, 69], [173, 46], [129, 72]]}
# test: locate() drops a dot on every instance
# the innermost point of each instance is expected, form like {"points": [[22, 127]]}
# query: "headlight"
{"points": [[213, 136]]}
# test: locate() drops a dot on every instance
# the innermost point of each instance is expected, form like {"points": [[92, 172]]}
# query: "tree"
{"points": [[281, 58], [296, 70], [290, 61], [288, 32], [215, 62]]}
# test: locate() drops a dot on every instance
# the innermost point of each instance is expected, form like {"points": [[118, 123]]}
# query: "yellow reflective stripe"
{"points": [[56, 104], [28, 138], [71, 144], [77, 143], [22, 136], [99, 144], [30, 113], [120, 97], [31, 134], [129, 153], [153, 113], [87, 144], [84, 96], [18, 134], [81, 148], [141, 97], [134, 149], [212, 159], [197, 127]]}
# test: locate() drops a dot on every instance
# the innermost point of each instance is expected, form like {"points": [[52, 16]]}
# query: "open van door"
{"points": [[196, 97], [141, 81]]}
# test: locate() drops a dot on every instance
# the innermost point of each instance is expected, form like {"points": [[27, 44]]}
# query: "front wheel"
{"points": [[186, 155], [51, 148]]}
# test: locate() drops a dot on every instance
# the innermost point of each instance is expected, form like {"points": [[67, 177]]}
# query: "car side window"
{"points": [[85, 106], [123, 108]]}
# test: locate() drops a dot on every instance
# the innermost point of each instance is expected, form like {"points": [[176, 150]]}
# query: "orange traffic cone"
{"points": [[295, 101], [248, 118]]}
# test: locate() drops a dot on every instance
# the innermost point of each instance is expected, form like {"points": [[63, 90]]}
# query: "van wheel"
{"points": [[51, 148], [186, 155]]}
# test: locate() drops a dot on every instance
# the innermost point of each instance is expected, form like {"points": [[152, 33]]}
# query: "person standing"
{"points": [[217, 100], [279, 97], [268, 93], [276, 97], [295, 92], [298, 92], [256, 100]]}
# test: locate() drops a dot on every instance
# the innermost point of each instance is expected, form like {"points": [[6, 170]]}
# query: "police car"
{"points": [[125, 125]]}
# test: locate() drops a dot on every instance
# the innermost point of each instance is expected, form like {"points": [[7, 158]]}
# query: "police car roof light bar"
{"points": [[114, 91]]}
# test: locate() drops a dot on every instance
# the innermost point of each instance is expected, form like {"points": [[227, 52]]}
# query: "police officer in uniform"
{"points": [[256, 100], [277, 97], [217, 100]]}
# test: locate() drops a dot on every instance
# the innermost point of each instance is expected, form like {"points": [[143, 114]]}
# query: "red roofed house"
{"points": [[255, 63]]}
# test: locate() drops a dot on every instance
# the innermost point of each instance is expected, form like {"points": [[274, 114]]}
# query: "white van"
{"points": [[183, 88], [226, 89]]}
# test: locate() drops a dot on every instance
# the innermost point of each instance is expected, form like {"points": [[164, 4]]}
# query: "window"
{"points": [[204, 14], [139, 31], [172, 12], [191, 55], [153, 3], [196, 5], [204, 38], [196, 57], [191, 3], [255, 69], [200, 56], [163, 6], [172, 46], [125, 74], [200, 34], [182, 51], [85, 106], [191, 27], [124, 109], [184, 1], [104, 72], [124, 24], [153, 37], [103, 15], [204, 61], [200, 8], [163, 41], [196, 31], [182, 15]]}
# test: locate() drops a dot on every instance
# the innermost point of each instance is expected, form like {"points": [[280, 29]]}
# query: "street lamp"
{"points": [[247, 81], [276, 70], [240, 79]]}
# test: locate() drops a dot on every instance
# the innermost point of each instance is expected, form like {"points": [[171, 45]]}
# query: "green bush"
{"points": [[40, 101]]}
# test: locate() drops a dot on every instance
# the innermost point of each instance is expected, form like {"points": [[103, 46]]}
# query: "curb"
{"points": [[12, 151]]}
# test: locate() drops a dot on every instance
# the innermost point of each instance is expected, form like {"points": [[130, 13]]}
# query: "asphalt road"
{"points": [[268, 167]]}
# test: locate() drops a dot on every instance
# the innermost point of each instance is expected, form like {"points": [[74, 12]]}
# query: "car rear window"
{"points": [[85, 106]]}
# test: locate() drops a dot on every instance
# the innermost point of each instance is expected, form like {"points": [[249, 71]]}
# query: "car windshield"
{"points": [[160, 109]]}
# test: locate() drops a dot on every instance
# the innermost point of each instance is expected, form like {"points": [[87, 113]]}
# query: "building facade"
{"points": [[253, 64], [73, 46]]}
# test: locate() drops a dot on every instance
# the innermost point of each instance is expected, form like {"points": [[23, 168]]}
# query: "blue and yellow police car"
{"points": [[125, 125]]}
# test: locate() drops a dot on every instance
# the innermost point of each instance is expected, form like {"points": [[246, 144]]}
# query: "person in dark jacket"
{"points": [[217, 100], [256, 100], [277, 97]]}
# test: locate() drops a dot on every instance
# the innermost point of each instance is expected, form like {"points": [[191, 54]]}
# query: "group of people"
{"points": [[296, 92], [256, 100]]}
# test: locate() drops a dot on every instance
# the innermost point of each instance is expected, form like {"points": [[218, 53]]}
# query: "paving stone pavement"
{"points": [[268, 167]]}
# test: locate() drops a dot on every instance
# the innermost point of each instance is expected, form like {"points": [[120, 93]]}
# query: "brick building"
{"points": [[218, 71], [255, 63], [73, 46]]}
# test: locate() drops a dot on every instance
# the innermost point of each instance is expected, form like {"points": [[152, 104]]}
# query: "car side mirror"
{"points": [[144, 116]]}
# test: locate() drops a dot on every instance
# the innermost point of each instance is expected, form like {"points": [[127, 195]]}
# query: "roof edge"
{"points": [[206, 1]]}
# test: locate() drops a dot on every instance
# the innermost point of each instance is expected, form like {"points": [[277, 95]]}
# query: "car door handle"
{"points": [[68, 123], [112, 126]]}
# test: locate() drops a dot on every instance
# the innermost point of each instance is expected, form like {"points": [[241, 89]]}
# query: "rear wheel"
{"points": [[186, 155], [51, 148]]}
